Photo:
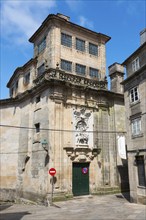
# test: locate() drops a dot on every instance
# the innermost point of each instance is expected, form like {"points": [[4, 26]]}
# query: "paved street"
{"points": [[107, 207]]}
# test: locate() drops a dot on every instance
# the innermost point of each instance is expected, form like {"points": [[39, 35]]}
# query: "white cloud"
{"points": [[74, 4], [85, 22], [21, 18], [131, 8]]}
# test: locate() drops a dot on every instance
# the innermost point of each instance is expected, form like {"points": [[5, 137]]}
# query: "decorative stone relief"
{"points": [[83, 149], [82, 122]]}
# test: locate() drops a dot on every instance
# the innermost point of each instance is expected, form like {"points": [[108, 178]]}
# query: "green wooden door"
{"points": [[80, 179]]}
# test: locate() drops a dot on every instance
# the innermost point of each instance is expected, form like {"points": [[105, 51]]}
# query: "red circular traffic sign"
{"points": [[52, 171]]}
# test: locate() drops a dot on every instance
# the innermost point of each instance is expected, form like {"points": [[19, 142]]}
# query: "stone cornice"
{"points": [[55, 78], [53, 17]]}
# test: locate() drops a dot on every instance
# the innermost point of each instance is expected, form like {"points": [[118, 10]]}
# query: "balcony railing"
{"points": [[73, 79]]}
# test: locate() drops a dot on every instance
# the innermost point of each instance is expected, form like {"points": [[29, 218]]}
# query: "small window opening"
{"points": [[37, 127], [38, 98]]}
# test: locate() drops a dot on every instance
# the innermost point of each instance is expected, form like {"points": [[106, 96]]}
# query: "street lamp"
{"points": [[44, 144]]}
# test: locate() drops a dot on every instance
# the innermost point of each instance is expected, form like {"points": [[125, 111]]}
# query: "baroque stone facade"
{"points": [[61, 115]]}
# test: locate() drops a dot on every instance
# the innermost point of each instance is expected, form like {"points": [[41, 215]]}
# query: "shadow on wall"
{"points": [[13, 216], [123, 171], [2, 207]]}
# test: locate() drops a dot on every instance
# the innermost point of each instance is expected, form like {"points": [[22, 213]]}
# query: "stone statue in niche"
{"points": [[81, 127]]}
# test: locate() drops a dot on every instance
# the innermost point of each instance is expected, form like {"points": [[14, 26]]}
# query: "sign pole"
{"points": [[52, 172], [52, 190]]}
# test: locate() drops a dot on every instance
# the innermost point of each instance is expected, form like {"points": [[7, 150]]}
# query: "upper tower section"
{"points": [[75, 50]]}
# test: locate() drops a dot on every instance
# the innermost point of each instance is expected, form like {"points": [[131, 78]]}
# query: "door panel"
{"points": [[80, 179]]}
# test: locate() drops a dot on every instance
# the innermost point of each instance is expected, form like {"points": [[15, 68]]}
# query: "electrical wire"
{"points": [[61, 130]]}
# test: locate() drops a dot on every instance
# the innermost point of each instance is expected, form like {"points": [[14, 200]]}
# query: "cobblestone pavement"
{"points": [[107, 207]]}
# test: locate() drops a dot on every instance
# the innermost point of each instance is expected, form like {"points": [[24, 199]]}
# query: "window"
{"points": [[38, 98], [42, 45], [11, 91], [37, 127], [27, 78], [80, 44], [66, 65], [136, 126], [141, 170], [66, 40], [93, 49], [16, 86], [80, 69], [41, 69], [135, 64], [93, 72], [134, 95]]}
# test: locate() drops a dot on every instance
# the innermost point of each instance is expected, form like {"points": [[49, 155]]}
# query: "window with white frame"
{"points": [[66, 40], [135, 64], [93, 49], [80, 69], [42, 45], [134, 94], [66, 65], [93, 72], [80, 44], [136, 126]]}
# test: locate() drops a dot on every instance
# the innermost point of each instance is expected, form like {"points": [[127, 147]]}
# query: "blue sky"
{"points": [[122, 20]]}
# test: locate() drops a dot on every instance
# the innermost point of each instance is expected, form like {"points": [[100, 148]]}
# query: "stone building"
{"points": [[135, 103], [60, 114]]}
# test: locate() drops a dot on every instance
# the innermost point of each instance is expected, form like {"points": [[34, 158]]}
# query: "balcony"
{"points": [[59, 75]]}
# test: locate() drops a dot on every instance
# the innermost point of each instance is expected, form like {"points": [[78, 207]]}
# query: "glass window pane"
{"points": [[93, 72], [80, 44], [42, 45], [134, 95], [93, 49], [66, 65], [141, 171], [66, 40], [41, 69], [80, 69]]}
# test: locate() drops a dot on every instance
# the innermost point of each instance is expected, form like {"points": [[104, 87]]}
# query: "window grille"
{"points": [[66, 40], [66, 65], [80, 44], [42, 45], [93, 49], [93, 72], [80, 69]]}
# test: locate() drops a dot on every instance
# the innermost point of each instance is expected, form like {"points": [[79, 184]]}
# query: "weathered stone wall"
{"points": [[10, 115], [56, 120]]}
